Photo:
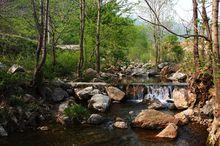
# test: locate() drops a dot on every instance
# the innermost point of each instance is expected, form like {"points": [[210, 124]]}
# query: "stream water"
{"points": [[105, 135]]}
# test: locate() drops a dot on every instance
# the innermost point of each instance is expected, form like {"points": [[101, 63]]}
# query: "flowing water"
{"points": [[106, 135]]}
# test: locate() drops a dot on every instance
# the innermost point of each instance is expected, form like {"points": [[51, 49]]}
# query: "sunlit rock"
{"points": [[16, 68], [180, 97], [169, 132], [115, 93], [152, 119]]}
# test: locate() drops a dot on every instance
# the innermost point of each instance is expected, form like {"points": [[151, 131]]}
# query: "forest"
{"points": [[109, 72]]}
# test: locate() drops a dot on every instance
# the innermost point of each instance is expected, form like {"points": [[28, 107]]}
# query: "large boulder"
{"points": [[84, 94], [87, 93], [152, 119], [115, 93], [169, 132], [3, 132], [16, 68], [180, 97], [59, 94], [95, 119], [99, 102]]}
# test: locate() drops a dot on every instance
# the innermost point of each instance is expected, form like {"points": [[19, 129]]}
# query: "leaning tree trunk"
{"points": [[98, 37], [81, 42], [196, 42], [206, 26], [38, 73], [215, 131]]}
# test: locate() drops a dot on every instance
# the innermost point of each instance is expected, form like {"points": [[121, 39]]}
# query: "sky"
{"points": [[183, 9]]}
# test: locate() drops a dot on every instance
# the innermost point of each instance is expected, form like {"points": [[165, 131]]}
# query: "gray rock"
{"points": [[87, 93], [181, 77], [61, 84], [95, 119], [84, 94], [152, 73], [59, 94], [108, 75], [138, 72], [16, 68], [162, 65], [63, 106], [99, 102], [91, 73], [3, 132]]}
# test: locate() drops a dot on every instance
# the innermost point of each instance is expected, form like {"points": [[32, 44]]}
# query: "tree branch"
{"points": [[170, 31]]}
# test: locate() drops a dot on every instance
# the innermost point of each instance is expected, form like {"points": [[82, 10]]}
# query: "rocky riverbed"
{"points": [[120, 111]]}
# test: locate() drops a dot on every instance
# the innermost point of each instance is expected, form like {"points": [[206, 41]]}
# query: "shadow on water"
{"points": [[105, 135]]}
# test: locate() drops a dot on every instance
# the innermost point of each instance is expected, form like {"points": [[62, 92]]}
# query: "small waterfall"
{"points": [[138, 93], [162, 93], [135, 93]]}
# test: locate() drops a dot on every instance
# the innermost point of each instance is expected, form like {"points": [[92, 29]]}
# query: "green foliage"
{"points": [[66, 64], [140, 49], [76, 111], [15, 101], [13, 44], [171, 49], [9, 80]]}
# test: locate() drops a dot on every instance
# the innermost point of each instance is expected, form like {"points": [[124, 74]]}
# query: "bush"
{"points": [[13, 44], [171, 49], [10, 80], [77, 112], [66, 64], [15, 101]]}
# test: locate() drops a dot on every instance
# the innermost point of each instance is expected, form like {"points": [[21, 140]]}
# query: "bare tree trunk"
{"points": [[38, 73], [98, 37], [81, 43], [208, 31], [53, 50], [196, 42], [215, 131]]}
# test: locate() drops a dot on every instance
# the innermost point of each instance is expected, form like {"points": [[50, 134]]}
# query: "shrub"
{"points": [[77, 112], [15, 101], [10, 80]]}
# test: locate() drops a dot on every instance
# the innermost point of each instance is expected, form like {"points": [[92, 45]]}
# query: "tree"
{"points": [[158, 13], [196, 38], [98, 36], [215, 131], [81, 41], [42, 27]]}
